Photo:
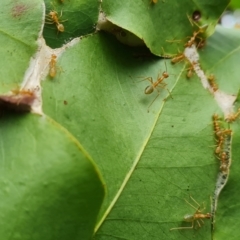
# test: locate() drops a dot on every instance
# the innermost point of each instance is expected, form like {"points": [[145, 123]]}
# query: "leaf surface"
{"points": [[20, 23], [220, 57], [150, 161], [160, 25], [50, 188], [227, 220], [78, 17], [221, 60]]}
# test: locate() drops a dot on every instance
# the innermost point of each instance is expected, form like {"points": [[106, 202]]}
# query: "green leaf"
{"points": [[235, 4], [20, 26], [78, 17], [150, 161], [152, 150], [220, 57], [159, 24], [227, 220], [50, 188]]}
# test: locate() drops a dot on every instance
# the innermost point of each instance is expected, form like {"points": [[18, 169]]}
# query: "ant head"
{"points": [[165, 74], [148, 89], [211, 77], [52, 13], [223, 155]]}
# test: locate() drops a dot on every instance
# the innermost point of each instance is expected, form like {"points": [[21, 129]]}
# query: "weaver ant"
{"points": [[196, 217], [54, 18], [211, 80], [52, 66], [232, 117], [158, 83], [191, 41]]}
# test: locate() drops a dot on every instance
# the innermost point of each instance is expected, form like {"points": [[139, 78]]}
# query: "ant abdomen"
{"points": [[149, 89], [188, 218], [60, 27]]}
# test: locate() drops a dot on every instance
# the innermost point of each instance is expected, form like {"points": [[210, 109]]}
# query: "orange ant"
{"points": [[190, 71], [159, 82], [220, 134], [223, 132], [216, 123], [192, 39], [211, 80], [52, 66], [216, 126], [198, 215], [23, 92], [224, 163], [178, 58], [217, 130], [232, 117], [201, 44], [54, 18], [23, 95], [219, 145]]}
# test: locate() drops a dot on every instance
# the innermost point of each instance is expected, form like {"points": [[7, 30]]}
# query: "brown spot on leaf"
{"points": [[19, 9]]}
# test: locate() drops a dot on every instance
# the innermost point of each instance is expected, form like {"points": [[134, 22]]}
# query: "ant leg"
{"points": [[198, 223], [64, 20], [201, 221], [163, 87], [204, 207], [165, 55], [197, 209], [168, 91], [191, 21], [195, 201], [147, 78], [200, 42], [183, 227], [165, 65], [49, 20], [174, 41], [178, 58], [153, 101], [60, 15]]}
